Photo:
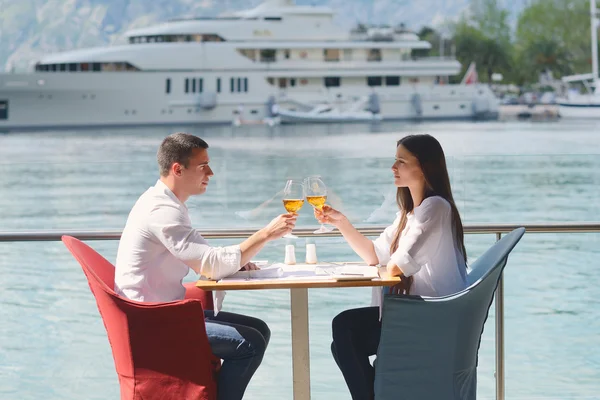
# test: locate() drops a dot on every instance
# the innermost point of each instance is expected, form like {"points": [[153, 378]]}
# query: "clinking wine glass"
{"points": [[293, 199], [316, 195]]}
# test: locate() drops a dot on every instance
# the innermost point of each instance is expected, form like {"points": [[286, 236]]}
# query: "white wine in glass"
{"points": [[316, 195], [293, 199]]}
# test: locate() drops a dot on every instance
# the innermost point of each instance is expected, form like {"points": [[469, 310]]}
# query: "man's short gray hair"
{"points": [[177, 148]]}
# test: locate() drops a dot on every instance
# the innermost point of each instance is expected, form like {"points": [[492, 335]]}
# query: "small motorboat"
{"points": [[358, 111]]}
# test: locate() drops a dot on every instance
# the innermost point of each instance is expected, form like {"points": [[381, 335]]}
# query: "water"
{"points": [[53, 343]]}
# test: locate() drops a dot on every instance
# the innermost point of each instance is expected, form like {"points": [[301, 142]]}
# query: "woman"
{"points": [[424, 247]]}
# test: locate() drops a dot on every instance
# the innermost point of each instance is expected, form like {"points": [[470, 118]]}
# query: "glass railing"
{"points": [[53, 341]]}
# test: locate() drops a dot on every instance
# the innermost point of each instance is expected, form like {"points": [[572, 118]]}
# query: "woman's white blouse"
{"points": [[427, 251]]}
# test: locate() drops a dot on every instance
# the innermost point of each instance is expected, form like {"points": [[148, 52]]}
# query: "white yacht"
{"points": [[277, 56], [580, 106]]}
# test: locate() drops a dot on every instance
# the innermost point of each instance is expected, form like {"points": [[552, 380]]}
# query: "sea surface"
{"points": [[52, 341]]}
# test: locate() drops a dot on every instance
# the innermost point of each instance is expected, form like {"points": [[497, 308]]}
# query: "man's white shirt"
{"points": [[159, 246]]}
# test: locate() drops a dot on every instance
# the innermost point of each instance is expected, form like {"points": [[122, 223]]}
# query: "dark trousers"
{"points": [[241, 342], [356, 337]]}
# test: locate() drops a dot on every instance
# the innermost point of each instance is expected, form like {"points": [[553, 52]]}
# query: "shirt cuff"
{"points": [[405, 262], [231, 257]]}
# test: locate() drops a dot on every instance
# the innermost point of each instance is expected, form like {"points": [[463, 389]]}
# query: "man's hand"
{"points": [[280, 226], [249, 267]]}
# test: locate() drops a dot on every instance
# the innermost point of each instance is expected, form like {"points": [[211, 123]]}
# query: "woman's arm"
{"points": [[360, 244]]}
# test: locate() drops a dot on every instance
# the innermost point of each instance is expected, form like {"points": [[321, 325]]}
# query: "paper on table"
{"points": [[263, 273], [350, 272]]}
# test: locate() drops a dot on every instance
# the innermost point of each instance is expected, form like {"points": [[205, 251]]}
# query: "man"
{"points": [[159, 246]]}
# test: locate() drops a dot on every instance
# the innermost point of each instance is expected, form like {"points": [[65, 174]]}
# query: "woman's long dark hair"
{"points": [[428, 151]]}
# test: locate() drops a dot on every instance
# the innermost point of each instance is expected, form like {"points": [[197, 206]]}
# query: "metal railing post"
{"points": [[500, 334]]}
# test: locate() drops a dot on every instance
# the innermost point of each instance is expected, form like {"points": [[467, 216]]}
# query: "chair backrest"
{"points": [[492, 260], [100, 274], [428, 347], [91, 262]]}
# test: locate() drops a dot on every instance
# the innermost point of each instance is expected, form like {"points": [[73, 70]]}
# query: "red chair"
{"points": [[161, 350]]}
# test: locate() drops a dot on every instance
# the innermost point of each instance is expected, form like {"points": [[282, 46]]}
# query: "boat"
{"points": [[362, 110], [585, 105], [200, 70]]}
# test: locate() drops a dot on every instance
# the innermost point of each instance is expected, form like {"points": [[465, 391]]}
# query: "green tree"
{"points": [[483, 35], [490, 18], [489, 54], [553, 34]]}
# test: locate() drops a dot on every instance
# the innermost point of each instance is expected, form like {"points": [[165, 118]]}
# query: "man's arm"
{"points": [[278, 227], [171, 227]]}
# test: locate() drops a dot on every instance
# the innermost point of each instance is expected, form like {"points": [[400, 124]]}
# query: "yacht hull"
{"points": [[63, 100], [579, 111]]}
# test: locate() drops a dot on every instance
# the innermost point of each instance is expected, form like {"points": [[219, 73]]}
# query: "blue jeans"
{"points": [[240, 341], [356, 335]]}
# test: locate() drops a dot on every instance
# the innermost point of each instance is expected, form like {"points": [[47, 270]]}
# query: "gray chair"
{"points": [[428, 347]]}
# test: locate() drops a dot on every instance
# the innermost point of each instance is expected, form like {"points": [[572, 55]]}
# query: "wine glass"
{"points": [[293, 199], [316, 195]]}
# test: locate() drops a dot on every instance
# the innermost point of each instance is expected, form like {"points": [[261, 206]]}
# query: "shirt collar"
{"points": [[165, 189]]}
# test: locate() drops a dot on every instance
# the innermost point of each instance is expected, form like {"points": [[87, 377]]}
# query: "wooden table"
{"points": [[299, 314]]}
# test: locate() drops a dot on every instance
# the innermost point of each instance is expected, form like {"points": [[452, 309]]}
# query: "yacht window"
{"points": [[374, 80], [187, 85], [212, 38], [218, 85], [271, 81], [3, 109], [392, 81], [248, 53], [63, 67], [374, 55], [267, 55], [245, 84], [231, 84], [272, 18], [96, 67], [282, 83], [414, 80], [292, 82], [347, 54], [150, 39], [193, 85], [200, 85], [332, 81], [72, 67], [239, 84], [53, 67], [85, 67], [331, 54], [168, 85], [286, 54]]}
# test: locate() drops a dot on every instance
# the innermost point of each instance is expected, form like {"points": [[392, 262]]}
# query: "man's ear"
{"points": [[176, 169]]}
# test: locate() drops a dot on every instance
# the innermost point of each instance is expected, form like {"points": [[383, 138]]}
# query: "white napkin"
{"points": [[218, 297]]}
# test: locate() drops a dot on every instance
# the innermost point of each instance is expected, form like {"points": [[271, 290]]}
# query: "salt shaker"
{"points": [[311, 252], [290, 254]]}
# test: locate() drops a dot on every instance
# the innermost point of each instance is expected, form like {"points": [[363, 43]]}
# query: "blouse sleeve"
{"points": [[427, 221], [383, 243]]}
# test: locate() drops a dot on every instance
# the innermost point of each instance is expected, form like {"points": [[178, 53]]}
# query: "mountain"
{"points": [[30, 29]]}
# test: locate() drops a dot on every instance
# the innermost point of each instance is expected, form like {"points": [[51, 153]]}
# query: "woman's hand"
{"points": [[405, 282], [393, 270], [329, 215]]}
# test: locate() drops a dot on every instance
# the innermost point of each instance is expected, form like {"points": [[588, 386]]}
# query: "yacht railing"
{"points": [[497, 229]]}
